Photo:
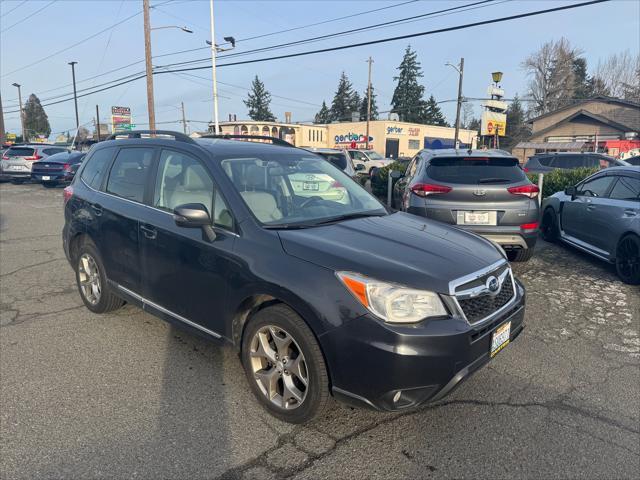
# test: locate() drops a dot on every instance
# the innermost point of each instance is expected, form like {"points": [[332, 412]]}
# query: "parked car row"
{"points": [[47, 164], [547, 162]]}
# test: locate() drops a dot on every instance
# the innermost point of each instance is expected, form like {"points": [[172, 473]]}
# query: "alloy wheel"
{"points": [[279, 367], [89, 279], [628, 258]]}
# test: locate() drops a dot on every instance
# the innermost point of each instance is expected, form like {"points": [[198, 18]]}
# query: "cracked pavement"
{"points": [[127, 395]]}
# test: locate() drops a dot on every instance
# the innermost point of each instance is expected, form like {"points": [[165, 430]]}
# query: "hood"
{"points": [[399, 248]]}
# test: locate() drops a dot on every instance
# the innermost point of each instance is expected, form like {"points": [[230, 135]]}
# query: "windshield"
{"points": [[374, 155], [475, 170], [294, 189], [19, 152]]}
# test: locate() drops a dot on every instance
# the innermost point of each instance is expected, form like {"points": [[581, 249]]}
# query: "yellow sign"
{"points": [[492, 122], [11, 136]]}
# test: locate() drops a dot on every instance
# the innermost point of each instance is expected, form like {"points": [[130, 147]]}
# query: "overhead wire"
{"points": [[14, 8], [28, 16]]}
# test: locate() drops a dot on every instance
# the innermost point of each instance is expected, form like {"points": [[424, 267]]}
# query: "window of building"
{"points": [[244, 130], [129, 173], [414, 144], [309, 135], [254, 130], [274, 132], [265, 131]]}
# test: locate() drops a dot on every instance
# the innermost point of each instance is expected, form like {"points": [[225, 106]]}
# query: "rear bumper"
{"points": [[53, 176]]}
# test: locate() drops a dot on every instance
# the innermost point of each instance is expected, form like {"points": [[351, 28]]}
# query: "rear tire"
{"points": [[16, 181], [520, 255], [549, 227], [92, 281], [50, 184], [280, 323], [628, 259]]}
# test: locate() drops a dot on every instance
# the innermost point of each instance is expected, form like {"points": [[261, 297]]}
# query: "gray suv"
{"points": [[484, 191], [17, 162]]}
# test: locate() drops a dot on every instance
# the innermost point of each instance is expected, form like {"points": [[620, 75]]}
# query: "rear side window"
{"points": [[53, 151], [626, 188], [472, 170], [94, 170], [129, 173], [336, 159], [546, 161], [20, 152]]}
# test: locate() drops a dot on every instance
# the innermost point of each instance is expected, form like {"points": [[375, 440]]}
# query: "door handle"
{"points": [[97, 209], [590, 207], [630, 212], [149, 232]]}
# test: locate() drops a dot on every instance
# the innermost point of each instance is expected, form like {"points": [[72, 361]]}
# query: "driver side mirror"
{"points": [[571, 192], [359, 167], [194, 215]]}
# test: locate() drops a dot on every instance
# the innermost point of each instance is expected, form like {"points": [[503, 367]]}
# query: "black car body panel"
{"points": [[212, 287]]}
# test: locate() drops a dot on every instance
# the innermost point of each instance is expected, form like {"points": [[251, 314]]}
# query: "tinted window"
{"points": [[546, 161], [76, 157], [129, 173], [94, 170], [337, 159], [53, 151], [626, 188], [20, 152], [595, 188], [475, 170], [633, 161], [358, 155]]}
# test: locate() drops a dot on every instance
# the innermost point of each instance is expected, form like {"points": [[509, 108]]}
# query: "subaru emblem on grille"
{"points": [[479, 192], [493, 285]]}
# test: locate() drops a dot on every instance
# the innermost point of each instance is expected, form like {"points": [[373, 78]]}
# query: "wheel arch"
{"points": [[624, 234]]}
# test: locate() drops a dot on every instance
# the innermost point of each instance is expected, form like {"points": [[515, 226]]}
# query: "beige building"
{"points": [[389, 138], [577, 127]]}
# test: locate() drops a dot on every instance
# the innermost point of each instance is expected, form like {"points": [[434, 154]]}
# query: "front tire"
{"points": [[628, 259], [92, 282], [549, 227], [520, 255], [284, 365]]}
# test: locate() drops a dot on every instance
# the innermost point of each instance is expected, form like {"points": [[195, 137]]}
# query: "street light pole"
{"points": [[2, 139], [460, 70], [213, 70], [370, 61], [24, 131], [75, 96], [148, 65]]}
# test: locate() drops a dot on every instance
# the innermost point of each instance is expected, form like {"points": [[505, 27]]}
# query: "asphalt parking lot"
{"points": [[127, 395]]}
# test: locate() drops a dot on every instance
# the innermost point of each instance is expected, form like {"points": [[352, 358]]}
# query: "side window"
{"points": [[595, 188], [626, 188], [546, 161], [413, 166], [96, 165], [129, 173], [359, 156], [183, 179]]}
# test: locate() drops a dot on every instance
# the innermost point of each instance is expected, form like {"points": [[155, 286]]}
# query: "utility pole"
{"points": [[184, 121], [2, 139], [24, 130], [370, 61], [457, 134], [98, 122], [213, 70], [75, 97], [149, 67]]}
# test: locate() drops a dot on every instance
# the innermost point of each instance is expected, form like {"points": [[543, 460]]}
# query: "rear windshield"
{"points": [[475, 170], [19, 152], [337, 159]]}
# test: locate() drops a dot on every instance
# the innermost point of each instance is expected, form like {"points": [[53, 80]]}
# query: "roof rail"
{"points": [[180, 137], [234, 136]]}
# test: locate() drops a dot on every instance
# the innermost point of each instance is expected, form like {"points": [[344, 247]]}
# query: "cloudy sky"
{"points": [[39, 38]]}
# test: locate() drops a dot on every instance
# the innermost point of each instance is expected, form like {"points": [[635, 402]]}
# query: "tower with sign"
{"points": [[493, 123]]}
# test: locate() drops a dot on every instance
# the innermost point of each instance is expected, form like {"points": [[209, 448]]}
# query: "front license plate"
{"points": [[500, 338], [310, 186], [476, 218], [46, 177]]}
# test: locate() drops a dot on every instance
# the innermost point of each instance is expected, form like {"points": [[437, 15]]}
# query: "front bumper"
{"points": [[370, 361]]}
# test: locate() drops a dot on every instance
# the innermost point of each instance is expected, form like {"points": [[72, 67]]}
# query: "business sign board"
{"points": [[492, 122], [351, 137], [120, 119]]}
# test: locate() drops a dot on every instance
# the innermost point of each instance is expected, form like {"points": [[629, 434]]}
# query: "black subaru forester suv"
{"points": [[277, 252]]}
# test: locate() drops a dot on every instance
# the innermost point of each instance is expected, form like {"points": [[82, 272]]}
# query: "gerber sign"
{"points": [[352, 137]]}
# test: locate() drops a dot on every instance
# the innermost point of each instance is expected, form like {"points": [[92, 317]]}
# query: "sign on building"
{"points": [[491, 122], [120, 119]]}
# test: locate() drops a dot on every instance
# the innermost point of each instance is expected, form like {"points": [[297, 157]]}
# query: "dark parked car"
{"points": [[320, 297], [56, 169], [600, 215], [338, 158], [546, 162], [16, 162], [483, 191]]}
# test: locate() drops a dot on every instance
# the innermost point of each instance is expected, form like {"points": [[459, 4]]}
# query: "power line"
{"points": [[28, 16], [344, 47], [14, 8]]}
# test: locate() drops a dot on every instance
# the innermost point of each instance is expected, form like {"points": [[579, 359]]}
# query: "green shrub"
{"points": [[380, 179], [558, 180]]}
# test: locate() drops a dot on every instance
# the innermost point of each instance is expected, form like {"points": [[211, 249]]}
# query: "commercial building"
{"points": [[389, 138], [608, 125]]}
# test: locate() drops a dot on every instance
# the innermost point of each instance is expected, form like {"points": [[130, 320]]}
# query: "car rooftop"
{"points": [[452, 152]]}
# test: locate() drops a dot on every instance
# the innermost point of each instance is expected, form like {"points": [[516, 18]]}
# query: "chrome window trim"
{"points": [[146, 302]]}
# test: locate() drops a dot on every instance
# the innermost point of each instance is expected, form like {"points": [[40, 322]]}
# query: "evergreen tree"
{"points": [[323, 116], [342, 104], [258, 101], [355, 104], [474, 124], [432, 114], [36, 121], [517, 127], [407, 99], [374, 106]]}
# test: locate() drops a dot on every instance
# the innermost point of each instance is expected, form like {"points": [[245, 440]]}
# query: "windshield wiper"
{"points": [[288, 226], [493, 180], [349, 216]]}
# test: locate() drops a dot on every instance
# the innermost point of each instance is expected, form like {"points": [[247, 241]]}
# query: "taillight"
{"points": [[66, 167], [530, 190], [33, 158], [529, 226], [336, 184], [67, 193], [426, 189], [5, 157], [526, 169]]}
